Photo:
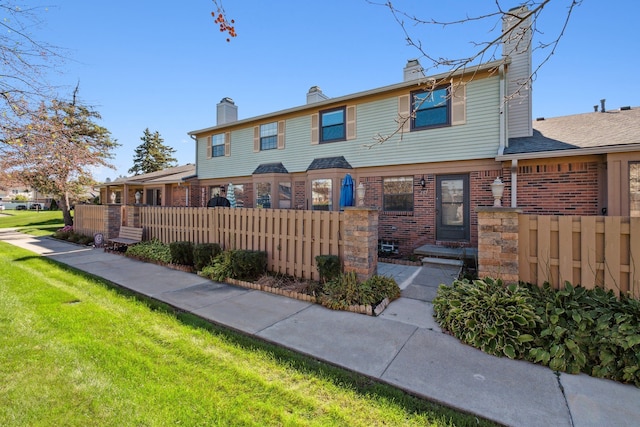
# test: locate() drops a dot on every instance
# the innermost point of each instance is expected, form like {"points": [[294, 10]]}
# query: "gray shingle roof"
{"points": [[270, 168], [329, 163], [590, 130]]}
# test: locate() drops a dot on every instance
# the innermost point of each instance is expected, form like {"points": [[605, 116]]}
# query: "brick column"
{"points": [[361, 241], [133, 215], [113, 221], [498, 243]]}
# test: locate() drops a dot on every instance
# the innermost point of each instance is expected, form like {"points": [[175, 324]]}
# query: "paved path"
{"points": [[403, 346]]}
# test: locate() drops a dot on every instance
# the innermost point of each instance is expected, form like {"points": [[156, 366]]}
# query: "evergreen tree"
{"points": [[152, 155]]}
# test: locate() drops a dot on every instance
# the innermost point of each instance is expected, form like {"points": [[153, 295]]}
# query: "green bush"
{"points": [[237, 264], [497, 319], [181, 252], [570, 330], [328, 267], [204, 253], [153, 250], [345, 290]]}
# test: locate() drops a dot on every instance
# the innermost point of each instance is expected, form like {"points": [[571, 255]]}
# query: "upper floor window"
{"points": [[398, 193], [332, 125], [430, 108], [269, 136], [217, 145]]}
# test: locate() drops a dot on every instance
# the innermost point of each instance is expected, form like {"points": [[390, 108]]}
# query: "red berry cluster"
{"points": [[225, 26]]}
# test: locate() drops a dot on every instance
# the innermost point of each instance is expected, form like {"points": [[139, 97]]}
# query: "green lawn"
{"points": [[39, 223], [76, 352]]}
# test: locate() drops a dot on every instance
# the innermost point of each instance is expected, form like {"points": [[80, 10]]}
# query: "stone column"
{"points": [[498, 243], [133, 216], [113, 221], [361, 241]]}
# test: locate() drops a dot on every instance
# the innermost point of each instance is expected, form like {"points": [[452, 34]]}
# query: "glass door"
{"points": [[452, 207]]}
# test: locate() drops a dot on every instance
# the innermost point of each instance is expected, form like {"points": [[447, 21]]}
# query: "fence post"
{"points": [[498, 243], [113, 220], [361, 241]]}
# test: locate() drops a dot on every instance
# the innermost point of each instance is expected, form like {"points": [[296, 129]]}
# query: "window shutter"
{"points": [[281, 129], [314, 129], [256, 139], [351, 122], [404, 111], [209, 149], [227, 144], [458, 104]]}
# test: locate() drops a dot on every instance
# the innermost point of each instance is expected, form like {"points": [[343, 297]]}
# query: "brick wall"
{"points": [[558, 188]]}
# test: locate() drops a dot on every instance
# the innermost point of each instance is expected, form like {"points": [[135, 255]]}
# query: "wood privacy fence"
{"points": [[291, 238], [590, 251], [90, 219]]}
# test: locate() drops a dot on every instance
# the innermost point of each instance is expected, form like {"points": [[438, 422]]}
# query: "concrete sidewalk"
{"points": [[403, 346]]}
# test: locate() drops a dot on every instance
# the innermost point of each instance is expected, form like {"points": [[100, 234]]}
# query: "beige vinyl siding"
{"points": [[478, 138]]}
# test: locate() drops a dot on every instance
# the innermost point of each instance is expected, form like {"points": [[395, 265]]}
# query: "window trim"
{"points": [[343, 136], [413, 111]]}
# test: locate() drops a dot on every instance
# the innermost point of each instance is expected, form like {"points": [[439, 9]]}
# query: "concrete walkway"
{"points": [[403, 346]]}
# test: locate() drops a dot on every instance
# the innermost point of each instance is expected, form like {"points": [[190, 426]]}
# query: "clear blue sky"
{"points": [[165, 66]]}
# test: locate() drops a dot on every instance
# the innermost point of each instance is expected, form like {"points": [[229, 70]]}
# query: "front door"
{"points": [[452, 207]]}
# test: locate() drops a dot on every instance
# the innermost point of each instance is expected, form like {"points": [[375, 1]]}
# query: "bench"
{"points": [[126, 236]]}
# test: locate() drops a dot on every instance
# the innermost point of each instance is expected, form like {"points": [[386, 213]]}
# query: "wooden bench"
{"points": [[126, 236]]}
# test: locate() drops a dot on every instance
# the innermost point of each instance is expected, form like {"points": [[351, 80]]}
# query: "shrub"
{"points": [[570, 330], [497, 319], [237, 264], [345, 290], [204, 253], [153, 250], [328, 267], [181, 252]]}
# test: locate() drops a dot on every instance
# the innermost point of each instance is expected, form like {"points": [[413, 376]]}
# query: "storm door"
{"points": [[452, 207]]}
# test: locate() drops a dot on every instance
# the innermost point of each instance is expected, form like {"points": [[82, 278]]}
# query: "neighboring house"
{"points": [[584, 164], [168, 187]]}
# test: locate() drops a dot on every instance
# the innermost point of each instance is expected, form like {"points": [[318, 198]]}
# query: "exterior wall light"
{"points": [[497, 189], [423, 183]]}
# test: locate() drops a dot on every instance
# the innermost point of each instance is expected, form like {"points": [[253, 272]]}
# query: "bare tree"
{"points": [[24, 60], [520, 33]]}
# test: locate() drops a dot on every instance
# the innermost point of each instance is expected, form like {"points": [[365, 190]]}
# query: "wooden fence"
{"points": [[590, 251], [90, 219], [291, 238]]}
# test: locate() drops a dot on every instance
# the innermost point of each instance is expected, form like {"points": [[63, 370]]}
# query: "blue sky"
{"points": [[165, 66]]}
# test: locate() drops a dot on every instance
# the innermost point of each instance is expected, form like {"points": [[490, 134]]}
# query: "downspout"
{"points": [[196, 157], [514, 183], [503, 112]]}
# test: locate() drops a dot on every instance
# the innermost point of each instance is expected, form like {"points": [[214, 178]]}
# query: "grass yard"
{"points": [[76, 352], [38, 223]]}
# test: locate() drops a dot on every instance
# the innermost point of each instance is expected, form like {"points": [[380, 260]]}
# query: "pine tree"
{"points": [[152, 155]]}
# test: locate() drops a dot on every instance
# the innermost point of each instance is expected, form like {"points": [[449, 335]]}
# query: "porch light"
{"points": [[423, 183], [497, 189], [360, 191]]}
